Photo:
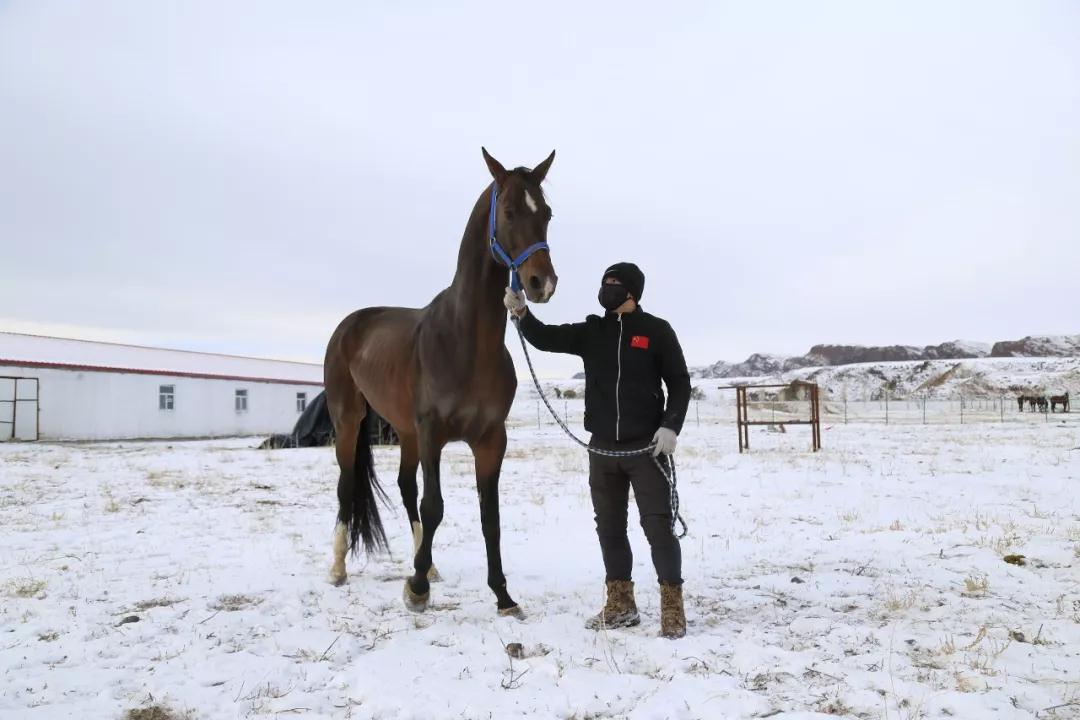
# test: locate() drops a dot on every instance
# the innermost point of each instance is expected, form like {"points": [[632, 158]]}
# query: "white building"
{"points": [[60, 389]]}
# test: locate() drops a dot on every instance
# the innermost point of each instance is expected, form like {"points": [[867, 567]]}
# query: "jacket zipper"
{"points": [[618, 379]]}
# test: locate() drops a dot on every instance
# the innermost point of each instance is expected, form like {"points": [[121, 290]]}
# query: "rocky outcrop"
{"points": [[759, 364], [1038, 346]]}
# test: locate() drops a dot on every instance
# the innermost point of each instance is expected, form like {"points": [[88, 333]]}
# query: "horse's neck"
{"points": [[475, 295]]}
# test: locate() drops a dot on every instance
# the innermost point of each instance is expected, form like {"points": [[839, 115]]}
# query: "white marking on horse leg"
{"points": [[417, 536], [341, 547], [530, 202]]}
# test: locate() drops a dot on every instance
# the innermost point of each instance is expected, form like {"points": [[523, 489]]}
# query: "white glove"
{"points": [[665, 440], [514, 301]]}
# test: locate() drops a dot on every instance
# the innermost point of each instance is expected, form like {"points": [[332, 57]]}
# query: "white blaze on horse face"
{"points": [[549, 289], [530, 202]]}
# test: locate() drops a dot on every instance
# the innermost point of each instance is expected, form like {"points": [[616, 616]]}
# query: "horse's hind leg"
{"points": [[347, 432], [410, 460]]}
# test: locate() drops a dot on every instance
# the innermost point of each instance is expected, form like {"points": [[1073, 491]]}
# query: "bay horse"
{"points": [[438, 374], [1062, 400]]}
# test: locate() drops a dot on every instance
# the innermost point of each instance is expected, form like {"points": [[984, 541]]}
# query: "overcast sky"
{"points": [[238, 176]]}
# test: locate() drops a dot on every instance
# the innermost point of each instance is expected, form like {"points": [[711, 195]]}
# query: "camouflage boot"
{"points": [[672, 615], [619, 611]]}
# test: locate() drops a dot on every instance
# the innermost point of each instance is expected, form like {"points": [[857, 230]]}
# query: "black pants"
{"points": [[610, 480]]}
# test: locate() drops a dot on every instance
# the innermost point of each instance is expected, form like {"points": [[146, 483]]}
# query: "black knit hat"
{"points": [[630, 276]]}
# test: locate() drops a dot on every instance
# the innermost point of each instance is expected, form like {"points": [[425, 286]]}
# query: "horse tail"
{"points": [[361, 516]]}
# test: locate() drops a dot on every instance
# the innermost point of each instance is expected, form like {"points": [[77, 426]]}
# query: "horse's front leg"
{"points": [[489, 453], [417, 588]]}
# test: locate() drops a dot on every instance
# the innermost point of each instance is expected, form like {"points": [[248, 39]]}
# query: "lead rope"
{"points": [[670, 476]]}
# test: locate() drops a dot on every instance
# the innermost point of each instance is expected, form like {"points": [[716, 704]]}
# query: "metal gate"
{"points": [[18, 408]]}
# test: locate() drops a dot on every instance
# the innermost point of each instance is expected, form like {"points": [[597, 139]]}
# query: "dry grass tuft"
{"points": [[976, 586], [849, 516], [145, 605], [25, 588], [899, 602], [233, 603], [157, 712], [111, 505]]}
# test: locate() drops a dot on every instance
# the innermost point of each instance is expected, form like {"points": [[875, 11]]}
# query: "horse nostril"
{"points": [[534, 283]]}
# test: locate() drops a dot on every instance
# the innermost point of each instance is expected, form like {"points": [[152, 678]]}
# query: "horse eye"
{"points": [[509, 214]]}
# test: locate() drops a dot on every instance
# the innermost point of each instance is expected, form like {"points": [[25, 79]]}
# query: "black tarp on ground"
{"points": [[314, 429]]}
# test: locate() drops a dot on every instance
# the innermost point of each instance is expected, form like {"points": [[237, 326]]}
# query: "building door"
{"points": [[18, 408]]}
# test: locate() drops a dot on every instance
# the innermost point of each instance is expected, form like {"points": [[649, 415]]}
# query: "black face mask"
{"points": [[612, 296]]}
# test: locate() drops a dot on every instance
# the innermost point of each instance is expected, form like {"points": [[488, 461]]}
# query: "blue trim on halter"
{"points": [[500, 254]]}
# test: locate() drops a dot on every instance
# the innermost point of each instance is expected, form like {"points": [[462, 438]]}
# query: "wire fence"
{"points": [[886, 409]]}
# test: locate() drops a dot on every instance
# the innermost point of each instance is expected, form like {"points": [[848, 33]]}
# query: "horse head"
{"points": [[521, 219]]}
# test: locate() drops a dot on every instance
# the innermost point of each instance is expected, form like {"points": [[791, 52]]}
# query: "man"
{"points": [[626, 354]]}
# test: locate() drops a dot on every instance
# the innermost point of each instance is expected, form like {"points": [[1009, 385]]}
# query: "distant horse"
{"points": [[1062, 400], [438, 374], [1043, 403], [1031, 400]]}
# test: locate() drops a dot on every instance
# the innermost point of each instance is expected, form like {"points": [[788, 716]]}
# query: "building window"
{"points": [[301, 402], [166, 397], [241, 401]]}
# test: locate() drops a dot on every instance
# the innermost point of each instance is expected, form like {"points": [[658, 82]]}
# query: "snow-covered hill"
{"points": [[1039, 346], [980, 377], [762, 364]]}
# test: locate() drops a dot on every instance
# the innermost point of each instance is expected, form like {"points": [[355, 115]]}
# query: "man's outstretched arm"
{"points": [[567, 338]]}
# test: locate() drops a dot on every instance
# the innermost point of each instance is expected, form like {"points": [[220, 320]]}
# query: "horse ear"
{"points": [[541, 170], [497, 170]]}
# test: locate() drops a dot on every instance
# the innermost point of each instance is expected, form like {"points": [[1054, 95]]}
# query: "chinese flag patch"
{"points": [[639, 341]]}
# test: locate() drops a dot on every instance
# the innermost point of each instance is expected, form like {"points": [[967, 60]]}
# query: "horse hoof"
{"points": [[338, 579], [512, 612], [413, 602], [433, 575]]}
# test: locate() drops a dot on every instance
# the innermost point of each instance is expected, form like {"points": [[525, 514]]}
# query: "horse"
{"points": [[438, 374], [1032, 402], [1062, 400], [1042, 402], [1020, 402]]}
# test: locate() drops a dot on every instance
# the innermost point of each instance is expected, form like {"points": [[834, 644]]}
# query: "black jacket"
{"points": [[626, 356]]}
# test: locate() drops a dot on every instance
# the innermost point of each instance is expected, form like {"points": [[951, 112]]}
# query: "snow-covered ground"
{"points": [[867, 580]]}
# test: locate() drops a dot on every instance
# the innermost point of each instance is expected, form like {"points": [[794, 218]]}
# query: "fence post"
{"points": [[697, 412], [1001, 404], [961, 409], [924, 409], [845, 408], [537, 414], [886, 407]]}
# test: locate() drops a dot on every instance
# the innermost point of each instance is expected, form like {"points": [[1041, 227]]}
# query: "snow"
{"points": [[979, 377], [17, 347], [866, 580]]}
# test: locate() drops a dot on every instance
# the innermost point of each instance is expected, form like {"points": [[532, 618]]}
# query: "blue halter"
{"points": [[501, 255]]}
